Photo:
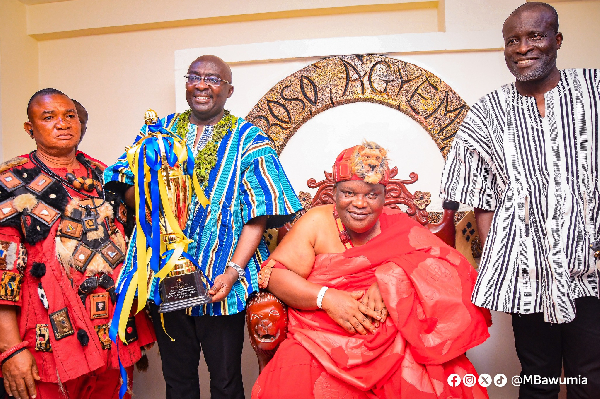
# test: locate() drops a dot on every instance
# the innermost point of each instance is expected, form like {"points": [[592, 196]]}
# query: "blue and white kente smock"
{"points": [[247, 181]]}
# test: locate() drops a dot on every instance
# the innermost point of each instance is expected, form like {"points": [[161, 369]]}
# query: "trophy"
{"points": [[184, 285]]}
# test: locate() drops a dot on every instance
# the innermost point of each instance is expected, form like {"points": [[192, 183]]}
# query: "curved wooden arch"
{"points": [[345, 79]]}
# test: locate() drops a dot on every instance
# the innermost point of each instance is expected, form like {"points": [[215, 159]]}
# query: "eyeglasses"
{"points": [[209, 80]]}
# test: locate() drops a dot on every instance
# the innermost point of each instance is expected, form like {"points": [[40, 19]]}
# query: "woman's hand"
{"points": [[345, 309], [374, 301], [20, 373]]}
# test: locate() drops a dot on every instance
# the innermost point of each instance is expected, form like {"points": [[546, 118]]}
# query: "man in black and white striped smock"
{"points": [[526, 158]]}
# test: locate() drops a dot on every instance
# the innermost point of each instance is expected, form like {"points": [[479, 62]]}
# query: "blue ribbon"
{"points": [[142, 191], [158, 127], [149, 154], [190, 162], [123, 388], [155, 198]]}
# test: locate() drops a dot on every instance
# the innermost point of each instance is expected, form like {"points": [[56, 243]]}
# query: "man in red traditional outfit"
{"points": [[378, 306], [62, 245]]}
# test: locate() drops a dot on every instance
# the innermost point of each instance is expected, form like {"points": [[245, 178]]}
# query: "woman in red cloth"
{"points": [[378, 306]]}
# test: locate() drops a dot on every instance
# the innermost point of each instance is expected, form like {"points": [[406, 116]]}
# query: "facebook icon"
{"points": [[454, 380]]}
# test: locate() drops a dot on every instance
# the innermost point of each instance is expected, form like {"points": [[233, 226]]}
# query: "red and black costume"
{"points": [[61, 250]]}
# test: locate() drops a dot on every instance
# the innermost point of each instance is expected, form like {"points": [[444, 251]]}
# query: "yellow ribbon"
{"points": [[182, 156], [143, 253], [139, 281], [127, 303], [199, 192]]}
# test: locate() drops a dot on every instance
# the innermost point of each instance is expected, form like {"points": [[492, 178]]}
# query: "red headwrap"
{"points": [[367, 162]]}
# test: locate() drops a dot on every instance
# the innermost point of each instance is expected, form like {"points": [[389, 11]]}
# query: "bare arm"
{"points": [[297, 249], [250, 237], [297, 252], [484, 222], [341, 306], [129, 197], [20, 371]]}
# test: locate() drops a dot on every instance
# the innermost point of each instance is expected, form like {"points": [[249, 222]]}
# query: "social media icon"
{"points": [[469, 380], [485, 380], [500, 380], [516, 380], [454, 380]]}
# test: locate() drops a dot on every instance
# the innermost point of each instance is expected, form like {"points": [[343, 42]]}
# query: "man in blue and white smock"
{"points": [[526, 158], [248, 191]]}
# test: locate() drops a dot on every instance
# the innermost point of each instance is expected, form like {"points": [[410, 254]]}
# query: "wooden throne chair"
{"points": [[266, 315], [339, 80]]}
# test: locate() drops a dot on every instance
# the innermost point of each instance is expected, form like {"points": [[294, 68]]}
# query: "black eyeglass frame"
{"points": [[217, 81]]}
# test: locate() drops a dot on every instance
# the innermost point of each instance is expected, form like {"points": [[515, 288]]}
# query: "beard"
{"points": [[546, 64]]}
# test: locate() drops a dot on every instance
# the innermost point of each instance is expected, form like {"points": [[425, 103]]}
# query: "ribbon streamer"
{"points": [[151, 153], [124, 378]]}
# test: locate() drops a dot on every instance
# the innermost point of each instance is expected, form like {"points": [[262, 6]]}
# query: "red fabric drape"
{"points": [[426, 286]]}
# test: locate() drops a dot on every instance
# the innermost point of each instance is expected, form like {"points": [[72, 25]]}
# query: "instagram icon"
{"points": [[469, 380]]}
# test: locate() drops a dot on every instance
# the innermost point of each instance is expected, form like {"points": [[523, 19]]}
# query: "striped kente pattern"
{"points": [[247, 181], [540, 176]]}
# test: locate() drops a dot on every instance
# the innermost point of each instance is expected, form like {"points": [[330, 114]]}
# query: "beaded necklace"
{"points": [[344, 235], [67, 182], [206, 158], [90, 219]]}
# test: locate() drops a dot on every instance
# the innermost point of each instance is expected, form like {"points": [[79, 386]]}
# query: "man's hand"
{"points": [[20, 373], [223, 284], [344, 308], [373, 300], [250, 237]]}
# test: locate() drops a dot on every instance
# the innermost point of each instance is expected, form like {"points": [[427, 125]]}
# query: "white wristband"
{"points": [[320, 296]]}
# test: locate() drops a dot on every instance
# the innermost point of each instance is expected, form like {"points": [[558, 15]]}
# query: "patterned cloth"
{"points": [[67, 334], [426, 286], [247, 181], [540, 176]]}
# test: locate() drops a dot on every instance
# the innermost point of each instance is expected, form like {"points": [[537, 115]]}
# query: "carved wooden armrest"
{"points": [[266, 319], [445, 229]]}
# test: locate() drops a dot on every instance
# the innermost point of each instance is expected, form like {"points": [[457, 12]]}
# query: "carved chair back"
{"points": [[396, 195]]}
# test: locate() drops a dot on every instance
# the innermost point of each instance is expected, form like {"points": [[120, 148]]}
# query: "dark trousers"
{"points": [[221, 338], [543, 348]]}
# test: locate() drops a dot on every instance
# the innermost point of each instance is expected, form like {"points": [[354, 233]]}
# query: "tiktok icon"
{"points": [[500, 380], [454, 380]]}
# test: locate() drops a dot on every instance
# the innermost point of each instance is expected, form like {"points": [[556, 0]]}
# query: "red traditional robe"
{"points": [[83, 358], [426, 286]]}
